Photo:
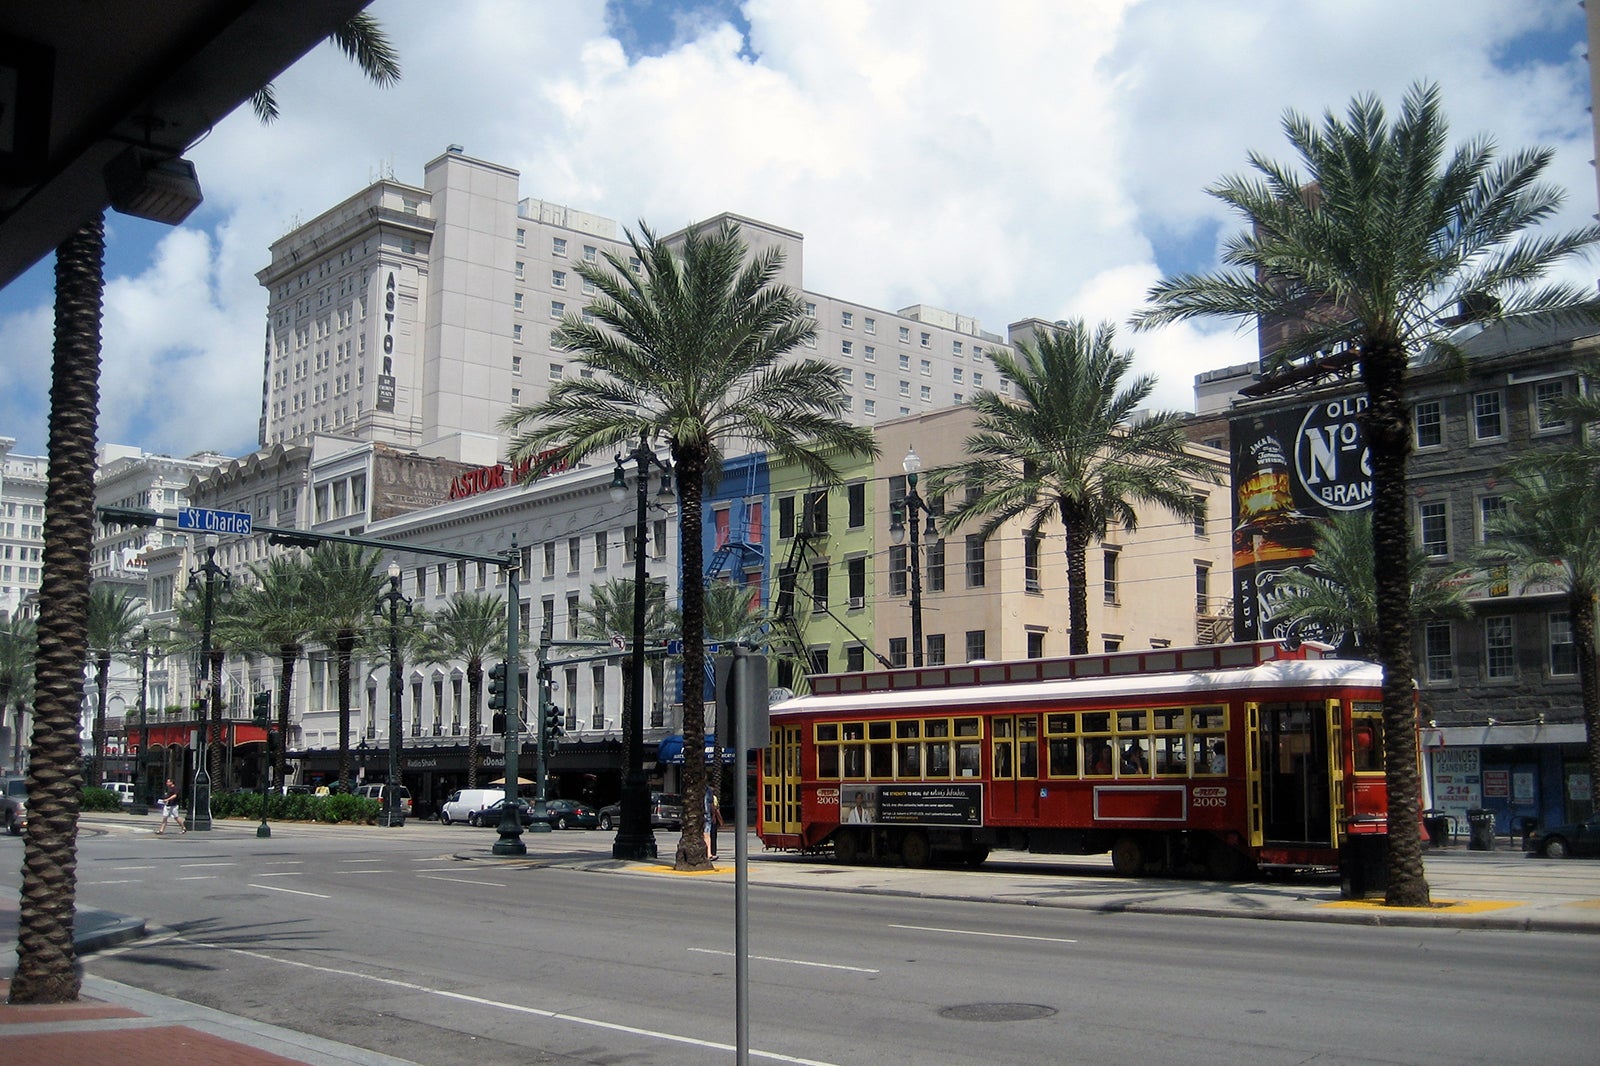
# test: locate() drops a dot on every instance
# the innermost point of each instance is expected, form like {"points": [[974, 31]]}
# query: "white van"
{"points": [[376, 792], [124, 791], [465, 803]]}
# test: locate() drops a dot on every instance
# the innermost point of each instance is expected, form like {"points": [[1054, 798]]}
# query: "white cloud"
{"points": [[1006, 161]]}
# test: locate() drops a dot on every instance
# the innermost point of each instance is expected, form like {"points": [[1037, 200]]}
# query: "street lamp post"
{"points": [[141, 805], [211, 708], [897, 531], [635, 840], [392, 815]]}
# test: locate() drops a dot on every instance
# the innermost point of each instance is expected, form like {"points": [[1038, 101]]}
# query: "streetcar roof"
{"points": [[1186, 686]]}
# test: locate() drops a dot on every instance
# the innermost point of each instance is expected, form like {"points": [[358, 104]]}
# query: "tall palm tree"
{"points": [[343, 584], [19, 642], [1067, 448], [1370, 249], [471, 628], [1338, 604], [1550, 532], [362, 39], [610, 612], [114, 618], [691, 347], [274, 616], [44, 944]]}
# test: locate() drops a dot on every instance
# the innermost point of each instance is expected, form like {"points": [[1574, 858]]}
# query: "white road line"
{"points": [[464, 881], [126, 881], [203, 865], [291, 891], [791, 962], [122, 869], [560, 1016], [979, 932], [200, 877], [285, 862], [285, 873], [368, 860], [367, 871]]}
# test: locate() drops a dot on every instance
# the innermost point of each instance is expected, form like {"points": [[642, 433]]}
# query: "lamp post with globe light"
{"points": [[899, 521]]}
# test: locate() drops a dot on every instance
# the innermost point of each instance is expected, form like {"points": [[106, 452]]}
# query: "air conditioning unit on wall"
{"points": [[858, 602]]}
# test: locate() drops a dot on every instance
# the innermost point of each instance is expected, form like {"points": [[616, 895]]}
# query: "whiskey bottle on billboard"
{"points": [[1270, 530]]}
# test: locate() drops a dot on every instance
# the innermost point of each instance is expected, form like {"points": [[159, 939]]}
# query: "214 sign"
{"points": [[1331, 457]]}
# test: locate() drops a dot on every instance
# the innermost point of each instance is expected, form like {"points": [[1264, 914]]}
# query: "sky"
{"points": [[1006, 160]]}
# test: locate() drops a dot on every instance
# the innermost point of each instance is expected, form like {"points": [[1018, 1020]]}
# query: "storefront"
{"points": [[1538, 772]]}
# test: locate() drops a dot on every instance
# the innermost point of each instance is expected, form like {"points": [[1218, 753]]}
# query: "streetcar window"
{"points": [[1097, 722], [828, 731], [1171, 757], [878, 730], [968, 759], [967, 727], [936, 727], [1366, 737], [1027, 758], [1002, 759], [1098, 756], [1001, 727], [1063, 757], [828, 763], [1061, 723], [855, 760], [882, 760], [853, 731], [1135, 761], [911, 760], [1209, 718], [1130, 721], [938, 760], [1171, 718], [907, 729]]}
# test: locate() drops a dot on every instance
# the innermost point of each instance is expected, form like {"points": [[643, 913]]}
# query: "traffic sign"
{"points": [[206, 520]]}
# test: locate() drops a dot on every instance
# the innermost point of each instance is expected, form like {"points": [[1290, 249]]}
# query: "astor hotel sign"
{"points": [[497, 476]]}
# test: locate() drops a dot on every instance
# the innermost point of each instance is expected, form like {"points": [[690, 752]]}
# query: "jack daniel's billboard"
{"points": [[1292, 468]]}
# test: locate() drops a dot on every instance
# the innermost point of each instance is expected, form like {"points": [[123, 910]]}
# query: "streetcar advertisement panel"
{"points": [[913, 804]]}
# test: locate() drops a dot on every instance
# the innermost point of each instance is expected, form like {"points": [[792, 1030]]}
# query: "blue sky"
{"points": [[1033, 158]]}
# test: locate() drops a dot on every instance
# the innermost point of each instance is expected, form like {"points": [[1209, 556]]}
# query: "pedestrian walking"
{"points": [[170, 809], [713, 821]]}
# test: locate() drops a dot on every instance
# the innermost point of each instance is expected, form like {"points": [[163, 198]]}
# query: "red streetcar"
{"points": [[1225, 757]]}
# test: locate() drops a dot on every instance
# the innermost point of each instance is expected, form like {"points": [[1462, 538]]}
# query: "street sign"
{"points": [[206, 520]]}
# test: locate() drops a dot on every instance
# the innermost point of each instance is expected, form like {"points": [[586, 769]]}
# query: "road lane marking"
{"points": [[285, 873], [536, 1012], [291, 891], [367, 871], [200, 877], [121, 869], [979, 932], [368, 860], [464, 881], [125, 881], [791, 962], [203, 865], [285, 862]]}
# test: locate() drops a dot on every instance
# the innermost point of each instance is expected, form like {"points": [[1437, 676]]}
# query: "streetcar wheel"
{"points": [[914, 849], [1127, 856], [847, 847], [975, 857]]}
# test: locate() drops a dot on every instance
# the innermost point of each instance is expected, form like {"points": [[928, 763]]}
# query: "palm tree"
{"points": [[45, 971], [1369, 250], [343, 584], [1338, 602], [18, 648], [691, 347], [362, 39], [472, 627], [114, 617], [274, 616], [1068, 448], [1549, 532]]}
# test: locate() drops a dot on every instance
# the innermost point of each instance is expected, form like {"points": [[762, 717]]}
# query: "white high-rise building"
{"points": [[419, 315], [22, 485]]}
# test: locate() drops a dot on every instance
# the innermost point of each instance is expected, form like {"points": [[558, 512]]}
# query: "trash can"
{"points": [[1526, 826], [1480, 829], [1364, 865], [1437, 823]]}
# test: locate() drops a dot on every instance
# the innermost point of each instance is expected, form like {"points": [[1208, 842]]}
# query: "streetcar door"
{"points": [[780, 781], [1014, 768], [1296, 791]]}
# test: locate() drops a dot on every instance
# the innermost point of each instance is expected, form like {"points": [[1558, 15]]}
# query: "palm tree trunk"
{"points": [[1580, 606], [46, 970], [474, 719], [690, 463], [1077, 588], [1388, 432], [102, 672]]}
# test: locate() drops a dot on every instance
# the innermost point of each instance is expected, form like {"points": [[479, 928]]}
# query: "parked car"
{"points": [[570, 814], [1566, 841], [490, 816], [666, 812], [14, 804], [124, 791], [466, 802], [376, 792]]}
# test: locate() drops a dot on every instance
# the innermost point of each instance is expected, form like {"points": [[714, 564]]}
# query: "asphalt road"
{"points": [[385, 940]]}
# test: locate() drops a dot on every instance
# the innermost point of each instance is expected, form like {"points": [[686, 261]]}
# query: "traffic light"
{"points": [[497, 690], [263, 708], [497, 723], [552, 722]]}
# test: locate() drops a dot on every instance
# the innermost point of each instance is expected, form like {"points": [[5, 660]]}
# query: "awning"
{"points": [[670, 750]]}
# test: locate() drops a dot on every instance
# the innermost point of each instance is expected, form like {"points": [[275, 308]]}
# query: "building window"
{"points": [[1546, 395], [1563, 651], [845, 348], [1438, 653], [897, 652], [1427, 419], [1433, 527], [1035, 644], [935, 582], [1488, 422], [558, 246], [926, 393], [516, 302], [846, 319], [905, 361], [590, 253], [1499, 647], [856, 576], [522, 237], [905, 387], [1109, 572], [897, 569], [1490, 510], [574, 554], [926, 339], [869, 407], [975, 561], [926, 366], [558, 279], [905, 334], [936, 649], [869, 324], [819, 587], [977, 645], [869, 380], [1030, 563], [516, 365], [856, 504], [600, 545], [557, 308], [516, 396], [869, 353], [1202, 588], [1201, 502], [521, 267], [516, 334], [572, 622]]}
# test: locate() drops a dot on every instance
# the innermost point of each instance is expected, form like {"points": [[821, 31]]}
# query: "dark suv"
{"points": [[14, 804], [666, 812]]}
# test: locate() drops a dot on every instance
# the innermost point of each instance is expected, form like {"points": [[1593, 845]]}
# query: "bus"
{"points": [[1220, 759]]}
